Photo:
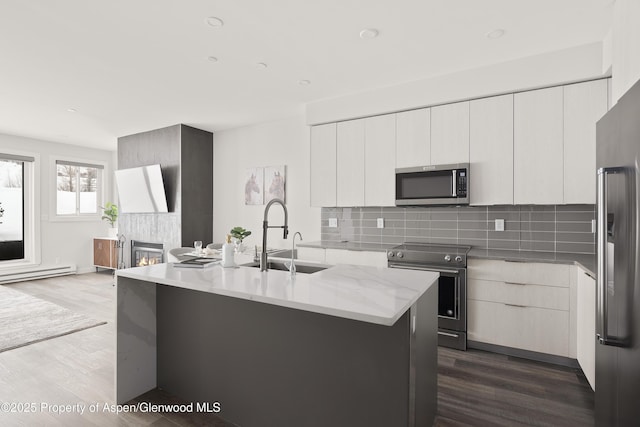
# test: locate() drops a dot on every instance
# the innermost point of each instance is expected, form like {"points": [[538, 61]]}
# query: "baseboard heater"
{"points": [[37, 273]]}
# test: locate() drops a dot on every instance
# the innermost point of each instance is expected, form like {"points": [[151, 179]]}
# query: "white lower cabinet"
{"points": [[524, 327], [526, 306], [311, 254], [586, 320], [368, 258], [343, 256]]}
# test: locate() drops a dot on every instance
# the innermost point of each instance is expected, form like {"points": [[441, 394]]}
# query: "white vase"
{"points": [[113, 232]]}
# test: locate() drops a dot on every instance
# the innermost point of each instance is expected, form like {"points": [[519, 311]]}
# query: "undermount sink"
{"points": [[300, 267]]}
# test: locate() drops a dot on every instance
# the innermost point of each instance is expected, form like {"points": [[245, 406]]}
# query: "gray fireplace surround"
{"points": [[185, 155]]}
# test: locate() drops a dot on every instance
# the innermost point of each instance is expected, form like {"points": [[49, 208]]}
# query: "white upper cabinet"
{"points": [[534, 147], [323, 165], [413, 138], [350, 163], [491, 151], [584, 104], [537, 147], [450, 133], [380, 160]]}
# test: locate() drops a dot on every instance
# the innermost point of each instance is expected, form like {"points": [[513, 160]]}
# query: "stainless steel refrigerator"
{"points": [[618, 285]]}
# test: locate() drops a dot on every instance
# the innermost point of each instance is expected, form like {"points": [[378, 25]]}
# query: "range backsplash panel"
{"points": [[548, 228]]}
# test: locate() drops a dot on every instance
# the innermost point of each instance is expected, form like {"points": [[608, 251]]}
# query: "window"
{"points": [[15, 206], [78, 188]]}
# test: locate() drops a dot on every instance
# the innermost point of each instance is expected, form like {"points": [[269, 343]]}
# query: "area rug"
{"points": [[25, 320]]}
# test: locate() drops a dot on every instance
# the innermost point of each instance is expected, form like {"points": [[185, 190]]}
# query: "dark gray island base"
{"points": [[269, 365]]}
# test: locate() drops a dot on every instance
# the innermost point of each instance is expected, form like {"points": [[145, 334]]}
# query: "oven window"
{"points": [[447, 296], [420, 185]]}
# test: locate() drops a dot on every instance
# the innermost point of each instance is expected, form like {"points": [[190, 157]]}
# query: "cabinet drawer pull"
{"points": [[516, 283], [446, 334], [515, 305]]}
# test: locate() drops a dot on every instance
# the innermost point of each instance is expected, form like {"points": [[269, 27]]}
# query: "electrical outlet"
{"points": [[333, 222], [380, 222], [499, 225]]}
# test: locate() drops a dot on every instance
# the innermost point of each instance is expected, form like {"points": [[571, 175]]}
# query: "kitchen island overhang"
{"points": [[349, 345]]}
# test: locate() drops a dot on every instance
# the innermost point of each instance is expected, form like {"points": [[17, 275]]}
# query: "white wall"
{"points": [[626, 46], [284, 142], [549, 69], [68, 242]]}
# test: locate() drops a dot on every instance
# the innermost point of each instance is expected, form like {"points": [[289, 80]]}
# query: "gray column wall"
{"points": [[186, 158]]}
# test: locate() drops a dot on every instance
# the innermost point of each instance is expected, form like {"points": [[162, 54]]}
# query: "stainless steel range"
{"points": [[451, 262]]}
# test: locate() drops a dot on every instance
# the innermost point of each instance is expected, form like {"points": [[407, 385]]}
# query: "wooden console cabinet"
{"points": [[105, 252]]}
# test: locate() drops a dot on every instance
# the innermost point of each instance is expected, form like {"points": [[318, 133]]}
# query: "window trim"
{"points": [[53, 199], [31, 188]]}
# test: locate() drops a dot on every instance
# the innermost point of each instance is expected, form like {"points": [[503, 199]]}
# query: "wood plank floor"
{"points": [[477, 388], [474, 388]]}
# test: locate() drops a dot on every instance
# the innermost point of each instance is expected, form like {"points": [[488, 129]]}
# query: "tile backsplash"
{"points": [[549, 228]]}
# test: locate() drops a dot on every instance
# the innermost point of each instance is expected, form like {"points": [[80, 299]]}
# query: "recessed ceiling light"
{"points": [[495, 34], [212, 59], [215, 22], [304, 82], [72, 110], [261, 65], [369, 33]]}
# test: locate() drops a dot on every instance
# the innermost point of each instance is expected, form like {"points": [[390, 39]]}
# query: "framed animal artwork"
{"points": [[253, 186], [274, 183]]}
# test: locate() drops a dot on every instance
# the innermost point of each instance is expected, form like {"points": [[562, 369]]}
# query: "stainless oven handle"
{"points": [[435, 270], [602, 315], [454, 189]]}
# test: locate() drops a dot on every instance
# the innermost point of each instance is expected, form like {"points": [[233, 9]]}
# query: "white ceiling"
{"points": [[128, 66]]}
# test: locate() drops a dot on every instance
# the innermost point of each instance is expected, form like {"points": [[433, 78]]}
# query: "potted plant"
{"points": [[110, 214], [239, 234]]}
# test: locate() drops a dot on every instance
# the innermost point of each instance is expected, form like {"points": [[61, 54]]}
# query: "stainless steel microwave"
{"points": [[433, 185]]}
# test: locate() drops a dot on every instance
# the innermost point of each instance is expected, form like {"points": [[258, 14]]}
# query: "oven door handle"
{"points": [[435, 270]]}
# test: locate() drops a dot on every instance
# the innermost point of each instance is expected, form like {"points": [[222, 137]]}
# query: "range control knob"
{"points": [[447, 258], [400, 254], [458, 258], [390, 254]]}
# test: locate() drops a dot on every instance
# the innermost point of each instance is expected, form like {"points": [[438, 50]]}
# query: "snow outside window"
{"points": [[16, 209], [78, 188]]}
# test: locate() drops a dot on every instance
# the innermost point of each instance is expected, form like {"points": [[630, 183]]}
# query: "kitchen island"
{"points": [[349, 345]]}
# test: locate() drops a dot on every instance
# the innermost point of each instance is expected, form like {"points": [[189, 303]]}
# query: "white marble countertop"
{"points": [[369, 294], [586, 261]]}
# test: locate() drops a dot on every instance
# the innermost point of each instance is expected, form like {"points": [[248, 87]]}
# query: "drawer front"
{"points": [[527, 328], [534, 273], [556, 298], [368, 258]]}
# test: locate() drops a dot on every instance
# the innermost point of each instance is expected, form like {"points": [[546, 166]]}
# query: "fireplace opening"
{"points": [[146, 253]]}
